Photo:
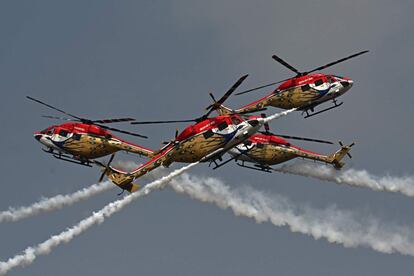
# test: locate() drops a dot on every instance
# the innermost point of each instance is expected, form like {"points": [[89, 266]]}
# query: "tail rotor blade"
{"points": [[106, 167], [102, 176]]}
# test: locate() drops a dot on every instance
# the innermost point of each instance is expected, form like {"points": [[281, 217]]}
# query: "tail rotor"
{"points": [[336, 158], [347, 147], [105, 167]]}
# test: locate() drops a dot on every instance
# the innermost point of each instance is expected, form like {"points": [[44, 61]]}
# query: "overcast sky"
{"points": [[158, 60]]}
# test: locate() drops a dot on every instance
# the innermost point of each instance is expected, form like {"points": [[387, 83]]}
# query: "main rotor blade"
{"points": [[121, 131], [304, 139], [263, 86], [224, 98], [232, 89], [57, 118], [335, 62], [287, 65], [57, 109], [118, 120], [161, 122]]}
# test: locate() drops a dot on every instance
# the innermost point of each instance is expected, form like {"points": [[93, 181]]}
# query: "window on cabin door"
{"points": [[305, 87], [222, 126], [318, 82], [63, 133]]}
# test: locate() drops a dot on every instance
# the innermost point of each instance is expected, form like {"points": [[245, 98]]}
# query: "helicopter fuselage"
{"points": [[266, 149], [85, 141], [303, 93]]}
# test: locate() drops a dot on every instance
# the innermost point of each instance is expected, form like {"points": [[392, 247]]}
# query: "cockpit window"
{"points": [[48, 131], [318, 82], [236, 120], [253, 122]]}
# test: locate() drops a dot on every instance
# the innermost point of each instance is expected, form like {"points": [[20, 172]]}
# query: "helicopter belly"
{"points": [[88, 147], [267, 154], [197, 147], [294, 97]]}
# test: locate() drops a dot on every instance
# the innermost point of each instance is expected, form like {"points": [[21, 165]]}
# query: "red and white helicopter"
{"points": [[265, 149], [304, 92], [82, 140]]}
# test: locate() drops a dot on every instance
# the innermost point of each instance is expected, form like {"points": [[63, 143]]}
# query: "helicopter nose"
{"points": [[347, 83], [253, 122], [37, 136]]}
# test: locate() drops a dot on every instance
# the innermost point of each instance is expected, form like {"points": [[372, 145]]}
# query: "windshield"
{"points": [[236, 120], [48, 131]]}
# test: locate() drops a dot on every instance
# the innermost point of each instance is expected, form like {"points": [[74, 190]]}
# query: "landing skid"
{"points": [[68, 158], [336, 104], [224, 163], [256, 167], [230, 159]]}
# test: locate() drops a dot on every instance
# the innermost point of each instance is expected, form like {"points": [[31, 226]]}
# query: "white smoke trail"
{"points": [[53, 203], [278, 115], [31, 253], [336, 226], [360, 178]]}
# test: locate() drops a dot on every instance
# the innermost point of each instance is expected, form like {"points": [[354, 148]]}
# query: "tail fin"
{"points": [[335, 158], [121, 179], [224, 110]]}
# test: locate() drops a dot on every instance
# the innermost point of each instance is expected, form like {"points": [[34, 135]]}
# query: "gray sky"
{"points": [[152, 60]]}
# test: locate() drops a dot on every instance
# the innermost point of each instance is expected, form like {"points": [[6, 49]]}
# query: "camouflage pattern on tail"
{"points": [[129, 147], [335, 158], [121, 179]]}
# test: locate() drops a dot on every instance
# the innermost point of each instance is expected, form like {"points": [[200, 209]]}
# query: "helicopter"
{"points": [[80, 140], [205, 141], [265, 149], [305, 91]]}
